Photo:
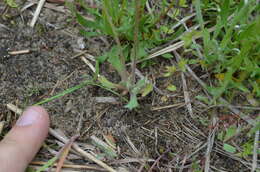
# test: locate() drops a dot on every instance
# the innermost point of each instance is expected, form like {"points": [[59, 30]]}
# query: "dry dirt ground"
{"points": [[153, 132]]}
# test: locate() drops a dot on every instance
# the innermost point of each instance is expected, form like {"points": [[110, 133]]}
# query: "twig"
{"points": [[64, 140], [234, 110], [210, 143], [37, 12], [254, 164]]}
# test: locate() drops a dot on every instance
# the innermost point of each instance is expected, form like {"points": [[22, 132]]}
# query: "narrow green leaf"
{"points": [[146, 90], [231, 131], [229, 148], [47, 165], [171, 87], [167, 56]]}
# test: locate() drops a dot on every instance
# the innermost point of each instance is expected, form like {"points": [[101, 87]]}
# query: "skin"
{"points": [[21, 144]]}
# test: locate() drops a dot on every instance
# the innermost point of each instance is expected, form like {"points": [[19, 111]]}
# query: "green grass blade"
{"points": [[47, 165], [70, 90]]}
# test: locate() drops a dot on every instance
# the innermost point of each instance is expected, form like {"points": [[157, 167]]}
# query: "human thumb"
{"points": [[24, 140]]}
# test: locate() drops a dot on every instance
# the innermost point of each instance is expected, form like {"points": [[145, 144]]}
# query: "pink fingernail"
{"points": [[30, 116]]}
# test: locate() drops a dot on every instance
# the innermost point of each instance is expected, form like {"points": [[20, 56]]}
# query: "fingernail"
{"points": [[30, 116]]}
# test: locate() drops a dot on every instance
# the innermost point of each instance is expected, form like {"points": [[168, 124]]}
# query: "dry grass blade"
{"points": [[254, 164], [88, 63], [37, 12], [64, 140], [64, 153]]}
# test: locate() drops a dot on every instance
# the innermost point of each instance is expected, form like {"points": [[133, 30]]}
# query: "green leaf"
{"points": [[146, 90], [183, 3], [138, 86], [114, 59], [229, 148], [171, 87], [203, 99], [167, 56], [87, 23], [231, 131], [182, 65], [132, 103], [170, 70]]}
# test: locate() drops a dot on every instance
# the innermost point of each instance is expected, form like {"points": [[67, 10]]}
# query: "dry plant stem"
{"points": [[64, 152], [234, 110], [210, 143], [64, 140], [254, 164], [37, 12], [186, 95]]}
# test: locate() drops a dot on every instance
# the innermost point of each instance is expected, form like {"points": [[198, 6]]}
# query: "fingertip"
{"points": [[34, 115], [24, 139]]}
